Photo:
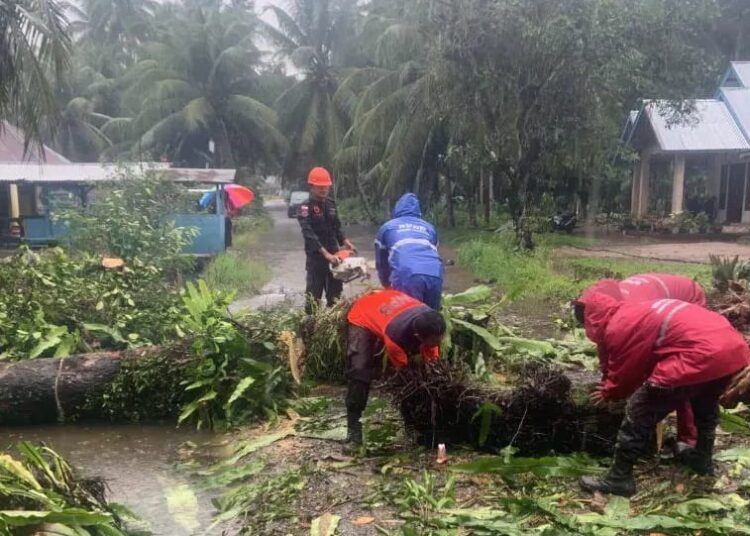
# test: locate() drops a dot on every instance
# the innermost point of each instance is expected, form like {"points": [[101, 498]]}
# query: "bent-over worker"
{"points": [[321, 229], [406, 254], [390, 321], [659, 355], [652, 286], [656, 286]]}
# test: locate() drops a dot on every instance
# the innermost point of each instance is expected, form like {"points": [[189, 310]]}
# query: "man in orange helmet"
{"points": [[321, 229]]}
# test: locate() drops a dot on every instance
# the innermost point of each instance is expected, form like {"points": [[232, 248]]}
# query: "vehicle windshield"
{"points": [[298, 197]]}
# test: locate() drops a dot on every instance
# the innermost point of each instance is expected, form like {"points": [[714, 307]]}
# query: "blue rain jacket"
{"points": [[407, 245]]}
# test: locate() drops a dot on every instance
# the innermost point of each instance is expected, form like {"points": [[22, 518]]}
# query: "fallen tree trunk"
{"points": [[40, 391]]}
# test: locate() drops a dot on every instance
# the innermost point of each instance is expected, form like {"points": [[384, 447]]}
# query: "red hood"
{"points": [[599, 309], [610, 287]]}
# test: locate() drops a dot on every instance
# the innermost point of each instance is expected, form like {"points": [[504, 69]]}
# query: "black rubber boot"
{"points": [[353, 429], [700, 459], [618, 480]]}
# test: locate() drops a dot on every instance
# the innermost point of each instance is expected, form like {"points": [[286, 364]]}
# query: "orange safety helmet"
{"points": [[319, 176]]}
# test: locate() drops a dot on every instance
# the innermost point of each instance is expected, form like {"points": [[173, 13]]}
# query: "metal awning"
{"points": [[737, 100], [13, 148], [709, 128], [737, 75], [93, 173]]}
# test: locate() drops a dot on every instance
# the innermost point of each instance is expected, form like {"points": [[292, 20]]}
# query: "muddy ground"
{"points": [[368, 491], [346, 485], [683, 249]]}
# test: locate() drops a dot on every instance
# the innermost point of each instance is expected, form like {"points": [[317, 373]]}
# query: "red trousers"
{"points": [[686, 430]]}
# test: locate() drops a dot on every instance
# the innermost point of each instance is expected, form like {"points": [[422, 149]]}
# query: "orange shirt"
{"points": [[388, 314]]}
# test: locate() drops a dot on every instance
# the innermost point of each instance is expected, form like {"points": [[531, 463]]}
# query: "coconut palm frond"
{"points": [[291, 104], [349, 91], [398, 44], [311, 129], [169, 128], [259, 118], [357, 157], [118, 129], [34, 44]]}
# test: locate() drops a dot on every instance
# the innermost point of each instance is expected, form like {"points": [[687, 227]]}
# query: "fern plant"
{"points": [[724, 270]]}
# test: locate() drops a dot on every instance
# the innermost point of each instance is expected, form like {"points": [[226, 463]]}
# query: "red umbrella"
{"points": [[238, 196]]}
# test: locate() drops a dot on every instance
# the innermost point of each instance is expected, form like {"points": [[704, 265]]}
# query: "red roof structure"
{"points": [[12, 149]]}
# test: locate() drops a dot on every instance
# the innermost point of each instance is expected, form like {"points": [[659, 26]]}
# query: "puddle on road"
{"points": [[137, 462]]}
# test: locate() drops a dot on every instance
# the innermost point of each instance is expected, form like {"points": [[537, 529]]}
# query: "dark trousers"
{"points": [[319, 279], [650, 404], [228, 232], [364, 363]]}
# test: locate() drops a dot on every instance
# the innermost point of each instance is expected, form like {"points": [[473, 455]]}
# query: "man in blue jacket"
{"points": [[406, 254]]}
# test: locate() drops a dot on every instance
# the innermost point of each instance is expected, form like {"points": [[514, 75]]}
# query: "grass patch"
{"points": [[231, 272], [591, 269], [248, 230], [543, 274], [238, 269]]}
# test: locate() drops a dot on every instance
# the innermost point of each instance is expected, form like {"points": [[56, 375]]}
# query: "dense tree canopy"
{"points": [[502, 100]]}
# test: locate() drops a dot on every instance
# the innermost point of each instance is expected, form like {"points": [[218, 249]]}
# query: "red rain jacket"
{"points": [[386, 314], [649, 287], [668, 342]]}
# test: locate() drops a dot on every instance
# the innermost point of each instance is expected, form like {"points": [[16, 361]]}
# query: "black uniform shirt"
{"points": [[321, 226]]}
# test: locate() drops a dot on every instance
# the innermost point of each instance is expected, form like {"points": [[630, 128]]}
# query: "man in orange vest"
{"points": [[390, 321], [321, 229]]}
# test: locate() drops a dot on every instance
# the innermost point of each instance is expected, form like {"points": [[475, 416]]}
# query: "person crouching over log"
{"points": [[660, 354], [390, 321], [652, 286], [656, 286]]}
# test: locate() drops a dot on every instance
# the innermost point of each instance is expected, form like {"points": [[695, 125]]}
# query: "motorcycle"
{"points": [[564, 221]]}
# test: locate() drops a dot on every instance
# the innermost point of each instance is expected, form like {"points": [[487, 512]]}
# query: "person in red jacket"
{"points": [[655, 286], [390, 321], [652, 286], [659, 354]]}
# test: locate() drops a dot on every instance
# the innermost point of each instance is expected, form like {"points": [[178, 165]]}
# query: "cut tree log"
{"points": [[39, 391]]}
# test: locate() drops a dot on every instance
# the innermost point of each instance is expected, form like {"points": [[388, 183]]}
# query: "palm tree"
{"points": [[395, 138], [87, 100], [79, 136], [33, 43], [314, 36], [117, 28], [194, 92]]}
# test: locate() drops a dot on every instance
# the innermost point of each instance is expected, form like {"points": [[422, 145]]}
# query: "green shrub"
{"points": [[230, 272], [129, 219], [237, 375], [53, 304], [519, 274], [724, 270], [542, 273]]}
